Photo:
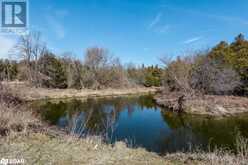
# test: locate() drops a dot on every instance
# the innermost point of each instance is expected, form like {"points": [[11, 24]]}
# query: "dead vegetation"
{"points": [[42, 149], [210, 105], [14, 117], [198, 84], [24, 137], [7, 97], [29, 93]]}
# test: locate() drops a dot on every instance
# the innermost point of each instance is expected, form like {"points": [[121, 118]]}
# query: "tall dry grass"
{"points": [[41, 148], [216, 157], [13, 115]]}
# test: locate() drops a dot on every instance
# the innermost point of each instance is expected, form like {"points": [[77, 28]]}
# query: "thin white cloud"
{"points": [[192, 40], [56, 26], [61, 13], [223, 18], [146, 49], [6, 44], [155, 21], [163, 29], [55, 21], [229, 19]]}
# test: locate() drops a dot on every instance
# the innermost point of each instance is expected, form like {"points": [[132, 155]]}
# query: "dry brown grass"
{"points": [[14, 118], [41, 149], [211, 105], [216, 157], [22, 138], [26, 92]]}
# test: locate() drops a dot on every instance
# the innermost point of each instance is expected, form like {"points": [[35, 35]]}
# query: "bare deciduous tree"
{"points": [[74, 71], [31, 48], [101, 70], [178, 74], [209, 77]]}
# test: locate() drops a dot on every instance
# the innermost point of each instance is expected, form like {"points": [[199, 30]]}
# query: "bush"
{"points": [[8, 70], [234, 55], [52, 73], [136, 75], [102, 70], [153, 76], [210, 77], [177, 76], [74, 72]]}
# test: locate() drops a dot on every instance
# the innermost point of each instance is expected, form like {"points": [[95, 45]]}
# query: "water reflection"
{"points": [[139, 119]]}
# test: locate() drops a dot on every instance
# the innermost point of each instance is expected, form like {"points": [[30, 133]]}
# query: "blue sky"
{"points": [[137, 31]]}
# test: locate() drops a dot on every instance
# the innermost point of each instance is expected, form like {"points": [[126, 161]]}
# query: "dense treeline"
{"points": [[99, 69], [221, 70]]}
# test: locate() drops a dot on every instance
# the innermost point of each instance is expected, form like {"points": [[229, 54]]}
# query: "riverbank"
{"points": [[25, 136], [28, 93], [42, 149], [209, 105]]}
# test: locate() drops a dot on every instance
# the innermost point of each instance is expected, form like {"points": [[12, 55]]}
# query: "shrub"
{"points": [[153, 76], [52, 73], [8, 70], [210, 77], [102, 70], [177, 74], [234, 55]]}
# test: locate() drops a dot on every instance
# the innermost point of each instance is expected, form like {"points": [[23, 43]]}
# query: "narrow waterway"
{"points": [[141, 123]]}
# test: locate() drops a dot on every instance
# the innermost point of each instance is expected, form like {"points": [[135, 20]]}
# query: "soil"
{"points": [[210, 105]]}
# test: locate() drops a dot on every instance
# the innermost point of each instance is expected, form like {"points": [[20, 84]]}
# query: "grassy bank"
{"points": [[25, 136], [28, 93], [39, 148], [42, 149]]}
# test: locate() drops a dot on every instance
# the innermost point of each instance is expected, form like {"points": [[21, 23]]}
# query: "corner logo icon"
{"points": [[13, 15]]}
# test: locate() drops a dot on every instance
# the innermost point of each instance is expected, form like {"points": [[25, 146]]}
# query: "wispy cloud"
{"points": [[146, 49], [223, 18], [155, 21], [163, 29], [192, 40], [56, 26], [6, 44], [55, 20], [229, 19], [157, 25], [61, 13]]}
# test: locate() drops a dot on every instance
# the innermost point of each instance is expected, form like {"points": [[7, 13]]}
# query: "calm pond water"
{"points": [[141, 123]]}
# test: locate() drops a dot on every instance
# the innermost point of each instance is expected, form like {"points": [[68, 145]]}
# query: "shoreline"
{"points": [[37, 143], [27, 93], [27, 136], [208, 105]]}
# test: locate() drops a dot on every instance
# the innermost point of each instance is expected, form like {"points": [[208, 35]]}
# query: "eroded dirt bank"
{"points": [[210, 105]]}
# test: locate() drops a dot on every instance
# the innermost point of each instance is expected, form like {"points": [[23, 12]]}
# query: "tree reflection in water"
{"points": [[139, 119], [95, 116]]}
